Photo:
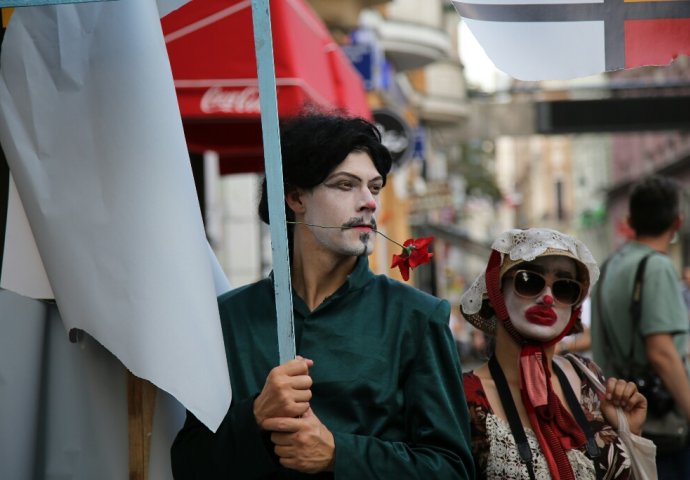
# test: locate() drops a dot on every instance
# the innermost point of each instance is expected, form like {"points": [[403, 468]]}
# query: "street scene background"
{"points": [[478, 152]]}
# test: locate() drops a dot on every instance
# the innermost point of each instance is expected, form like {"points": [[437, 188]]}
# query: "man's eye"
{"points": [[375, 189], [345, 185]]}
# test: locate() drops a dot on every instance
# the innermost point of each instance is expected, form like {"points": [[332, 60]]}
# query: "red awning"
{"points": [[211, 48]]}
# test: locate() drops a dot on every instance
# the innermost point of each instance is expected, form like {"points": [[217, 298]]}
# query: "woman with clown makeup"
{"points": [[534, 415]]}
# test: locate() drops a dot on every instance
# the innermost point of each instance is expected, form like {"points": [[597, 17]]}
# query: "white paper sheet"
{"points": [[91, 129], [546, 50], [562, 39], [22, 269]]}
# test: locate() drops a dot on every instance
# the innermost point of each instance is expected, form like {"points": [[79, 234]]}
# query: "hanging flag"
{"points": [[91, 129], [21, 268], [558, 40]]}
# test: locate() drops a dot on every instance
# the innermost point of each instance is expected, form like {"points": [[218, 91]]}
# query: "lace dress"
{"points": [[495, 451]]}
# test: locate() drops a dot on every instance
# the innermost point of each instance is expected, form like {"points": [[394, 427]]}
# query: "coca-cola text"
{"points": [[245, 101]]}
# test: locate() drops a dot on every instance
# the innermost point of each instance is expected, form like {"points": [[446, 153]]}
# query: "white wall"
{"points": [[431, 14], [239, 249]]}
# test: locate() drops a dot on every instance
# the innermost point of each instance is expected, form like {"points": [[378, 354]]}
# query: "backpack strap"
{"points": [[636, 301], [635, 311]]}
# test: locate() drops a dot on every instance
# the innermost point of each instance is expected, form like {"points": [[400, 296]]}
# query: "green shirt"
{"points": [[386, 382], [663, 310]]}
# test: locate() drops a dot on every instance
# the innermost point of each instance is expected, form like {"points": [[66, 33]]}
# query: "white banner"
{"points": [[91, 129]]}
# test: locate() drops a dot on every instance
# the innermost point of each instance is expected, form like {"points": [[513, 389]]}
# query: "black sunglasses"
{"points": [[528, 284]]}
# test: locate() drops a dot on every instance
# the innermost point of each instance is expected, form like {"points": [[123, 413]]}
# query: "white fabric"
{"points": [[528, 49], [64, 405], [527, 245], [543, 50], [92, 132], [21, 271], [642, 451]]}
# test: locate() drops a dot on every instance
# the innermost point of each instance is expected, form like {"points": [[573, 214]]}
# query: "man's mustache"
{"points": [[359, 222]]}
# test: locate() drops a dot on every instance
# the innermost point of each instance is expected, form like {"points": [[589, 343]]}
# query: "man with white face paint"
{"points": [[376, 389], [529, 297]]}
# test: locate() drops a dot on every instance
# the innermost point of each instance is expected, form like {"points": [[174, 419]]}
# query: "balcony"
{"points": [[342, 14], [407, 45], [437, 92]]}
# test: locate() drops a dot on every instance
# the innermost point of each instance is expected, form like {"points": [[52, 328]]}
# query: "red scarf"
{"points": [[555, 428]]}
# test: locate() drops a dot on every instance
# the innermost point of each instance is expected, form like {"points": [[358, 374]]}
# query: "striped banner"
{"points": [[547, 39]]}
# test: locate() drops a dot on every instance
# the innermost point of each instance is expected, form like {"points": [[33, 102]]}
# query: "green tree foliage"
{"points": [[477, 167]]}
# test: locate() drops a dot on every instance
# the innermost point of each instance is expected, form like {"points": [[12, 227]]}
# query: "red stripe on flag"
{"points": [[656, 42]]}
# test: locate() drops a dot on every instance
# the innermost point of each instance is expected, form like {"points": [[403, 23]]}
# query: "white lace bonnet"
{"points": [[517, 246]]}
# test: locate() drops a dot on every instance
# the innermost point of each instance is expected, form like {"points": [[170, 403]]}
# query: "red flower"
{"points": [[414, 254]]}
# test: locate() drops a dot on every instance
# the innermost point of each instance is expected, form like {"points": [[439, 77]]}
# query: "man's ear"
{"points": [[293, 198]]}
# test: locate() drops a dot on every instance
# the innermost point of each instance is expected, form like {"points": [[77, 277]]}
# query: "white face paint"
{"points": [[348, 198], [535, 318]]}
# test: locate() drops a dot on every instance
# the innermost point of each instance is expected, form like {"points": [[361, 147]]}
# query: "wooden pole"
{"points": [[141, 400], [6, 14]]}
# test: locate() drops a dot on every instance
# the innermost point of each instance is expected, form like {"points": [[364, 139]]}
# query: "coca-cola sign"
{"points": [[244, 101]]}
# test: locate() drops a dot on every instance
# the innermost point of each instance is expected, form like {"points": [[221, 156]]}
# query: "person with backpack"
{"points": [[640, 322]]}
